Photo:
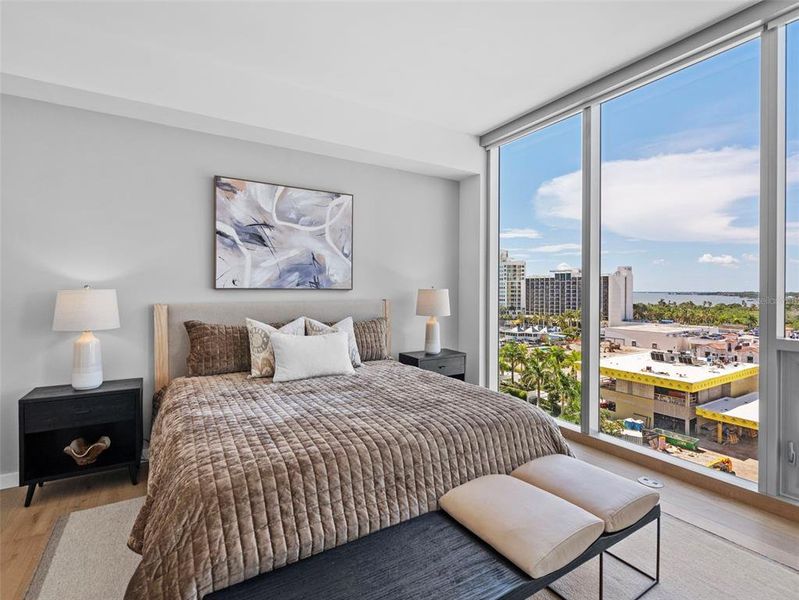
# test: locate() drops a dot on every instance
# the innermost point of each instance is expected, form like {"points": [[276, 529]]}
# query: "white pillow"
{"points": [[262, 357], [302, 357], [314, 327]]}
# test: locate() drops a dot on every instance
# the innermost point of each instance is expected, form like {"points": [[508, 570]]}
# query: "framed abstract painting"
{"points": [[271, 236]]}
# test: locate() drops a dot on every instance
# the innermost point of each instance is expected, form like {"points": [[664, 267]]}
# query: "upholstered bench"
{"points": [[498, 537], [535, 530], [619, 502]]}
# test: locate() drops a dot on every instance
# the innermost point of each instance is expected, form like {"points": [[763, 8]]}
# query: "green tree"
{"points": [[513, 354], [535, 373], [571, 402], [572, 361]]}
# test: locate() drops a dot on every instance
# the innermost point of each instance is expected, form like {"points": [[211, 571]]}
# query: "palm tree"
{"points": [[561, 382], [536, 370], [555, 386], [572, 391], [513, 353], [557, 356], [572, 362]]}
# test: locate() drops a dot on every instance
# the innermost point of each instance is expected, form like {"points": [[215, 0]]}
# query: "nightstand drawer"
{"points": [[57, 414], [445, 366]]}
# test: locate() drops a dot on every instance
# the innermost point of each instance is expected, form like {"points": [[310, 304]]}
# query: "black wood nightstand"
{"points": [[51, 417], [447, 362]]}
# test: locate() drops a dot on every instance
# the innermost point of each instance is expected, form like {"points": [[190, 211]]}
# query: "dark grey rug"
{"points": [[87, 559]]}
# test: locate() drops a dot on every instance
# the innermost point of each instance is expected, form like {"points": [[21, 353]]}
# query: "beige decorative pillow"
{"points": [[262, 356], [313, 327]]}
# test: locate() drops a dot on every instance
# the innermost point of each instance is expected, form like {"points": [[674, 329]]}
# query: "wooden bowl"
{"points": [[86, 455]]}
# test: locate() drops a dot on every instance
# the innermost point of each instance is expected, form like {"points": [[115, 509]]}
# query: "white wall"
{"points": [[121, 203], [472, 282]]}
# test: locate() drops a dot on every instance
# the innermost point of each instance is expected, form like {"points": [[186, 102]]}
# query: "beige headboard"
{"points": [[171, 343]]}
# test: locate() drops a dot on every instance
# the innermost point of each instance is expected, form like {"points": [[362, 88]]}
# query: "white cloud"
{"points": [[792, 232], [659, 261], [512, 233], [725, 260], [677, 197], [749, 257], [556, 248], [564, 267], [633, 251], [715, 136]]}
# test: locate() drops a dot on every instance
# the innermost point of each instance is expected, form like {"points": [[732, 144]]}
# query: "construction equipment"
{"points": [[723, 464]]}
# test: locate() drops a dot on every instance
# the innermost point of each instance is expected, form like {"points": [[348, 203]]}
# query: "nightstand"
{"points": [[447, 362], [51, 417]]}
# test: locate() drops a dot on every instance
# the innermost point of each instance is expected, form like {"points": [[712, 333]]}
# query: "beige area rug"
{"points": [[87, 559]]}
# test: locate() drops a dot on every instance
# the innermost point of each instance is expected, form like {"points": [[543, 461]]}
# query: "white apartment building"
{"points": [[620, 296], [511, 283]]}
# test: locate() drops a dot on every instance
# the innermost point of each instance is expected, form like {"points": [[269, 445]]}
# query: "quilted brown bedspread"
{"points": [[247, 475]]}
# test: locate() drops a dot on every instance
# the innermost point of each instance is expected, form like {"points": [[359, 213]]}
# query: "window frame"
{"points": [[767, 23]]}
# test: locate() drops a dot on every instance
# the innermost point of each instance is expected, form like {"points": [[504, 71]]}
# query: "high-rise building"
{"points": [[559, 292], [562, 291], [511, 283], [620, 295]]}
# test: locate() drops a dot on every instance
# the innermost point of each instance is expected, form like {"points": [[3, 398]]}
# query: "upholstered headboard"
{"points": [[171, 343]]}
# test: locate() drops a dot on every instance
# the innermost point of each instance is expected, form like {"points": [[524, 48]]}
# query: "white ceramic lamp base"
{"points": [[432, 337], [87, 362]]}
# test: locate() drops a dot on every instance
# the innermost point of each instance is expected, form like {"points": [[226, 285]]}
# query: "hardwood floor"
{"points": [[763, 532], [24, 532]]}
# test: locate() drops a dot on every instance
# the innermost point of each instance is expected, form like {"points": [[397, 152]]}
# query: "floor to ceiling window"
{"points": [[679, 205], [671, 232], [539, 268], [792, 182]]}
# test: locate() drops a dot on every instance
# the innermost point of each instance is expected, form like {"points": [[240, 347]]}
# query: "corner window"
{"points": [[680, 212]]}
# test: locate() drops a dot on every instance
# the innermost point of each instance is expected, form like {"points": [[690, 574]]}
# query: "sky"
{"points": [[680, 181]]}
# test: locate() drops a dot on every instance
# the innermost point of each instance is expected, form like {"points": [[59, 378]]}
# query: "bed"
{"points": [[247, 476]]}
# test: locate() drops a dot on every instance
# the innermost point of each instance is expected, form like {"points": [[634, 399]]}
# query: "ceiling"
{"points": [[445, 71]]}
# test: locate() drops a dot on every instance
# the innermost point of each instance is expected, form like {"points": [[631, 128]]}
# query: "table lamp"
{"points": [[86, 310], [432, 303]]}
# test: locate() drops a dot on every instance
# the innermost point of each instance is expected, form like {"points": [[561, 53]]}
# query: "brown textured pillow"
{"points": [[215, 349], [371, 339]]}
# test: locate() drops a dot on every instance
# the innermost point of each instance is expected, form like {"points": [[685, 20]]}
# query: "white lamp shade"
{"points": [[432, 303], [86, 310]]}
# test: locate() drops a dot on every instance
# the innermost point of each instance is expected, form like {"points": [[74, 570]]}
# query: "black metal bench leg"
{"points": [[601, 575], [654, 580]]}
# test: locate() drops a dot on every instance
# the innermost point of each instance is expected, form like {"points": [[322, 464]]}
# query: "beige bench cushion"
{"points": [[619, 502], [536, 531]]}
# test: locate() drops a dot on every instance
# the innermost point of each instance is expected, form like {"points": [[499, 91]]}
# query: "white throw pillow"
{"points": [[302, 357], [314, 327], [262, 357]]}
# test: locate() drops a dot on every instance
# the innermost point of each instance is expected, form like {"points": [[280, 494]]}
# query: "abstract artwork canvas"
{"points": [[272, 236]]}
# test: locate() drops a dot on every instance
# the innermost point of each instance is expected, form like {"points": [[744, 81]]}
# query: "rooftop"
{"points": [[659, 328], [640, 368], [743, 410]]}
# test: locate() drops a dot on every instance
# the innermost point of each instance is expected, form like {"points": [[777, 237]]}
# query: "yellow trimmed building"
{"points": [[742, 412], [668, 391]]}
